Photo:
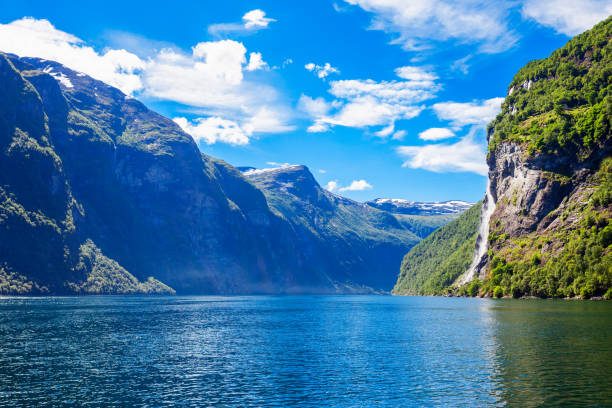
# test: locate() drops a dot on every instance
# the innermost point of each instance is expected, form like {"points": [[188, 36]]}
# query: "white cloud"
{"points": [[256, 19], [211, 79], [367, 103], [569, 17], [417, 24], [368, 111], [321, 171], [399, 135], [213, 129], [466, 155], [386, 131], [256, 62], [318, 127], [316, 107], [39, 38], [357, 185], [468, 113], [267, 120], [276, 164], [462, 64], [222, 60], [415, 74], [322, 71], [252, 21], [406, 91], [436, 134], [332, 186]]}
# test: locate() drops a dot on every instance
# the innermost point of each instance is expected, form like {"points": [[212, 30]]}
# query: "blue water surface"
{"points": [[339, 351]]}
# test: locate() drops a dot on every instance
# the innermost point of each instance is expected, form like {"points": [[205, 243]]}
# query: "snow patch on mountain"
{"points": [[401, 206]]}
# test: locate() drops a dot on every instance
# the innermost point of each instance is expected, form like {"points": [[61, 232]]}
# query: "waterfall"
{"points": [[482, 241]]}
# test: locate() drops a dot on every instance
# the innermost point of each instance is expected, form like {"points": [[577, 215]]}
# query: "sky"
{"points": [[379, 98]]}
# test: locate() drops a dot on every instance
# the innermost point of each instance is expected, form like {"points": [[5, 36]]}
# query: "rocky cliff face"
{"points": [[549, 171]]}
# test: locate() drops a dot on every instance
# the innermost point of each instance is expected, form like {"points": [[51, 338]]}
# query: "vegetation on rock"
{"points": [[433, 265]]}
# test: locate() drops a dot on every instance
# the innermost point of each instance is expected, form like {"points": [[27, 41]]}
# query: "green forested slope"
{"points": [[437, 261], [562, 104]]}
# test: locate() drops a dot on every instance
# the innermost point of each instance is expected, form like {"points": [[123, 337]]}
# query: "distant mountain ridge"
{"points": [[364, 243], [401, 206]]}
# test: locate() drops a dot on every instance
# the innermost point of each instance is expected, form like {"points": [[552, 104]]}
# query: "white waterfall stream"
{"points": [[482, 241]]}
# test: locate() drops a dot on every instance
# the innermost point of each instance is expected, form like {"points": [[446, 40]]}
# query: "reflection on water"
{"points": [[553, 353], [304, 351]]}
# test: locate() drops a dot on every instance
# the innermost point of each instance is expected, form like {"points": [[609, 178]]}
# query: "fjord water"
{"points": [[304, 351]]}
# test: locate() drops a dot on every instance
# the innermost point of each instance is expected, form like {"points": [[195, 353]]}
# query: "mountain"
{"points": [[361, 243], [549, 202], [399, 206], [98, 194], [434, 264]]}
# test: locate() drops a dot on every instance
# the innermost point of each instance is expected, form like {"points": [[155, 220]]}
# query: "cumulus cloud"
{"points": [[252, 21], [468, 113], [332, 186], [256, 19], [417, 24], [467, 155], [357, 185], [322, 71], [213, 129], [210, 79], [569, 17], [436, 134], [367, 103], [316, 107], [256, 62]]}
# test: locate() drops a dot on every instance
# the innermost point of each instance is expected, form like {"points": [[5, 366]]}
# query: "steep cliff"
{"points": [[548, 207], [550, 171]]}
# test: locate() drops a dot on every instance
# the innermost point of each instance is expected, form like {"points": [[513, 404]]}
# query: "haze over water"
{"points": [[304, 351]]}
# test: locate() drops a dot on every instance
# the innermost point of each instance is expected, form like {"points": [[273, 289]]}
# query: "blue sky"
{"points": [[379, 98]]}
